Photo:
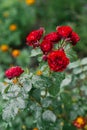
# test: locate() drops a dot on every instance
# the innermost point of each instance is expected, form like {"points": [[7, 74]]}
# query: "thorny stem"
{"points": [[19, 82], [33, 99], [64, 44]]}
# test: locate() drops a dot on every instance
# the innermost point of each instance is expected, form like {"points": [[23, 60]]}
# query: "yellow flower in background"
{"points": [[62, 123], [23, 127], [39, 72], [35, 129], [13, 27], [30, 2], [15, 53], [4, 48], [6, 14], [5, 83]]}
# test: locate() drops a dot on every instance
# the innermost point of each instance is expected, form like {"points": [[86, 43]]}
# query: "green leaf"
{"points": [[46, 102], [35, 52], [56, 81], [54, 90], [49, 116], [69, 127], [7, 88]]}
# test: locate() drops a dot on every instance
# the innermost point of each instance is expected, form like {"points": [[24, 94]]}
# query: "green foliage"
{"points": [[16, 13], [53, 99], [50, 101]]}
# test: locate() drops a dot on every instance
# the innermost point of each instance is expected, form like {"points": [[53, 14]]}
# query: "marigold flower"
{"points": [[34, 37], [13, 27], [64, 31], [39, 72], [46, 46], [30, 2], [57, 60], [79, 122], [15, 53], [35, 129], [53, 37], [13, 72], [4, 48]]}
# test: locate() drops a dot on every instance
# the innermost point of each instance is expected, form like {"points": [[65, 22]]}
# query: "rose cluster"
{"points": [[56, 57]]}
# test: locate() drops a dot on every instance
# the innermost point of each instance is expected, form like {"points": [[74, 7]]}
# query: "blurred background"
{"points": [[19, 17]]}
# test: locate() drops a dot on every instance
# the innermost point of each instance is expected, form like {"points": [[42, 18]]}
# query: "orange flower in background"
{"points": [[15, 53], [13, 27], [30, 2], [4, 48], [39, 72], [79, 122], [35, 129], [15, 80]]}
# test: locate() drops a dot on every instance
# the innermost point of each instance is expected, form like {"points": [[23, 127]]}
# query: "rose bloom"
{"points": [[33, 37], [64, 31], [53, 37], [46, 46], [13, 72], [15, 53], [44, 58], [79, 122], [57, 60], [74, 38], [13, 27]]}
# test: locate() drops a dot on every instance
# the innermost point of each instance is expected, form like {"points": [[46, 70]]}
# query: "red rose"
{"points": [[46, 46], [64, 31], [53, 37], [79, 122], [44, 57], [33, 37], [13, 72], [57, 60], [74, 38]]}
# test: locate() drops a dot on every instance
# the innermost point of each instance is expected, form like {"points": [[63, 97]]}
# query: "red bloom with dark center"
{"points": [[79, 122], [64, 31], [13, 72], [74, 38], [57, 60], [46, 46], [33, 37], [53, 37]]}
